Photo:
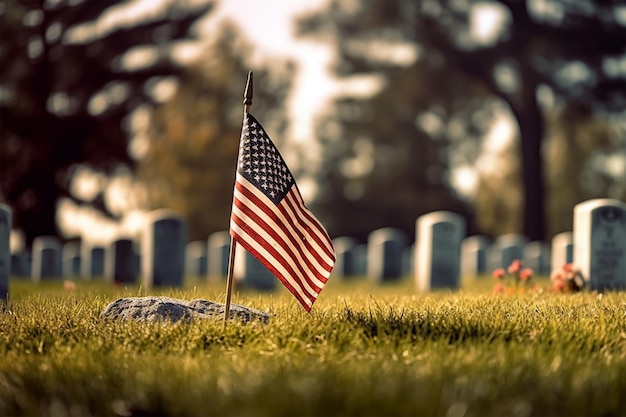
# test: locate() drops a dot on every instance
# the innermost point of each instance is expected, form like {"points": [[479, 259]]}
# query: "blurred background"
{"points": [[506, 112]]}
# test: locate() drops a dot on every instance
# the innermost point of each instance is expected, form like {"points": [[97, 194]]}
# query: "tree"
{"points": [[380, 168], [571, 48], [194, 138], [586, 156], [71, 73]]}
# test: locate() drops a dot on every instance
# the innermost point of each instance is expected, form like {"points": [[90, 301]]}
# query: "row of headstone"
{"points": [[439, 257], [479, 256], [163, 261], [597, 245]]}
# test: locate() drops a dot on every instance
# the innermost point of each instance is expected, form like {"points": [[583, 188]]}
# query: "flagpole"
{"points": [[247, 102]]}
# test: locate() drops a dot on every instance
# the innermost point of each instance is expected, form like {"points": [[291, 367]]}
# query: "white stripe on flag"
{"points": [[282, 226]]}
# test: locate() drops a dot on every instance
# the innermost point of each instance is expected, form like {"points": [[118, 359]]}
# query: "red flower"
{"points": [[559, 285], [498, 273], [515, 266], [498, 288], [526, 274], [556, 276]]}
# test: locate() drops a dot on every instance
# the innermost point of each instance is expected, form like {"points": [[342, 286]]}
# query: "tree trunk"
{"points": [[531, 126]]}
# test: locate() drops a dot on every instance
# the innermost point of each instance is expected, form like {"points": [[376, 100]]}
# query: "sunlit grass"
{"points": [[364, 350]]}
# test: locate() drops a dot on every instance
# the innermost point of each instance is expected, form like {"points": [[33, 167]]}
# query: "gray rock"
{"points": [[151, 309]]}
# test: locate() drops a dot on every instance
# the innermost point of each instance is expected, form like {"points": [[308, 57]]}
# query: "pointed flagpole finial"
{"points": [[247, 95]]}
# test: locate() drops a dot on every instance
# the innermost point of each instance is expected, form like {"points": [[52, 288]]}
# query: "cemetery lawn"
{"points": [[363, 350]]}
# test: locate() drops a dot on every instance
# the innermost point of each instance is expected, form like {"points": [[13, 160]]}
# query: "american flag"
{"points": [[269, 218]]}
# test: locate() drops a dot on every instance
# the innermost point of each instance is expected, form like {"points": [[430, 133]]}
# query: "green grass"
{"points": [[364, 350]]}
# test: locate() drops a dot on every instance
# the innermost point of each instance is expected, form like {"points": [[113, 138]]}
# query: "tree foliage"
{"points": [[571, 48], [379, 168], [586, 156], [194, 138], [69, 77]]}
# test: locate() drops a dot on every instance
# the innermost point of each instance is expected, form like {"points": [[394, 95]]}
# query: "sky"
{"points": [[269, 25]]}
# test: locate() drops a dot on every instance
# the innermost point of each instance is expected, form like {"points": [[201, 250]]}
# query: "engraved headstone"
{"points": [[345, 263], [250, 273], [71, 259], [121, 264], [163, 249], [438, 250], [562, 250], [46, 258], [5, 251], [218, 251], [474, 256], [537, 257], [600, 243], [196, 258], [384, 254]]}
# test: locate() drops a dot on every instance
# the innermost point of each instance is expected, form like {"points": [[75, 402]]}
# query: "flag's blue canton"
{"points": [[261, 163]]}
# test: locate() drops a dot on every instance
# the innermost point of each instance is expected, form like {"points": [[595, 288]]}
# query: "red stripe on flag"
{"points": [[322, 245], [324, 239], [284, 258], [244, 243], [270, 220], [286, 225]]}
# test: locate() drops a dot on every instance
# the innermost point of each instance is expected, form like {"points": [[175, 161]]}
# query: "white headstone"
{"points": [[21, 264], [438, 250], [408, 260], [196, 258], [218, 252], [163, 249], [20, 256], [600, 243], [345, 265], [46, 258], [511, 247], [537, 257], [121, 262], [70, 254], [384, 254], [562, 250], [92, 261], [474, 256], [360, 259], [5, 251]]}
